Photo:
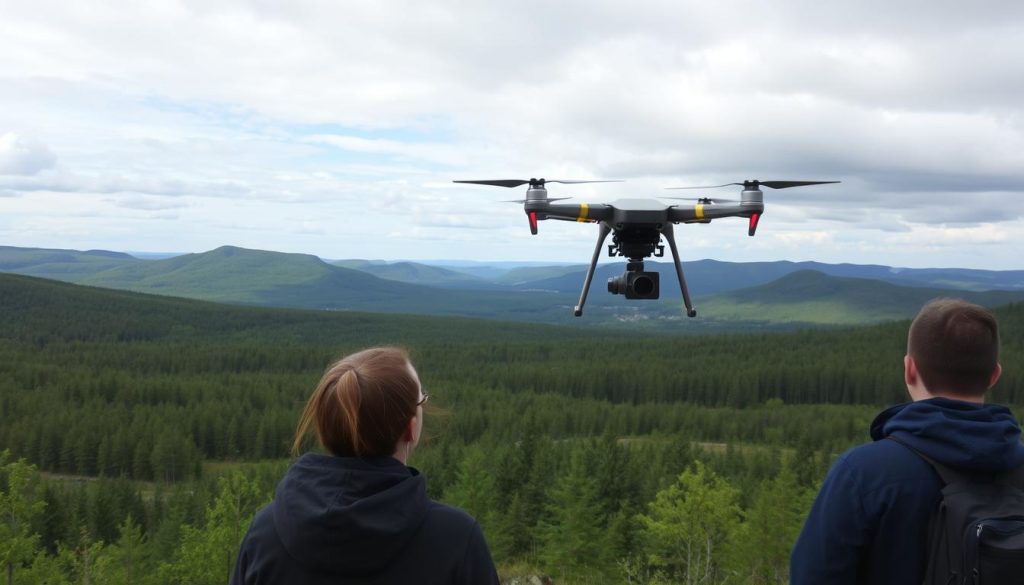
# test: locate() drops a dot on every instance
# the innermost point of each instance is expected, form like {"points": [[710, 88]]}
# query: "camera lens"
{"points": [[643, 285], [616, 285]]}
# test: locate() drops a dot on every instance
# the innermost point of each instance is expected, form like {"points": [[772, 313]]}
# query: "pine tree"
{"points": [[571, 530], [128, 556], [206, 555], [475, 491]]}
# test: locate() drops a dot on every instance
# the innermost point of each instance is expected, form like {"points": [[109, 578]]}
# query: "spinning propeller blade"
{"points": [[754, 184], [702, 199], [705, 186], [532, 182], [788, 184], [525, 200]]}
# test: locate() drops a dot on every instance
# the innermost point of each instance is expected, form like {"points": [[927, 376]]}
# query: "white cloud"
{"points": [[23, 156], [429, 152], [313, 110], [148, 203]]}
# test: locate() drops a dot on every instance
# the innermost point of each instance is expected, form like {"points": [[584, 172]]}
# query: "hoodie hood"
{"points": [[962, 435], [348, 515]]}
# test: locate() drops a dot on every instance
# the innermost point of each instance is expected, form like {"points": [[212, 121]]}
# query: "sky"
{"points": [[335, 128]]}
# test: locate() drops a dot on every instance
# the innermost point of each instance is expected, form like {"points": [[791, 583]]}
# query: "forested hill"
{"points": [[41, 310], [262, 278], [812, 297], [856, 365], [258, 277], [747, 297], [578, 451], [418, 273]]}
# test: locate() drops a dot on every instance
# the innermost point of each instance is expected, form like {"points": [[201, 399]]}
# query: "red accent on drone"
{"points": [[753, 223], [533, 222]]}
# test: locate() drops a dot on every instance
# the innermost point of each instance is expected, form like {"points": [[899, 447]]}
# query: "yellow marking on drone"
{"points": [[584, 208], [698, 210]]}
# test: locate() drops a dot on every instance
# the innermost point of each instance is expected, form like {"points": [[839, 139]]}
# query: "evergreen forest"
{"points": [[139, 434]]}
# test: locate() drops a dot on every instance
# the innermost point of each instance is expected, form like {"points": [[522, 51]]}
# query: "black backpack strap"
{"points": [[948, 474], [1013, 477]]}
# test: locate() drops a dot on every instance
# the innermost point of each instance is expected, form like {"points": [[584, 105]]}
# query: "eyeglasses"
{"points": [[423, 400]]}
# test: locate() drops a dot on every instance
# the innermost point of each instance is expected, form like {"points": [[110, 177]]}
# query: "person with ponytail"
{"points": [[358, 513]]}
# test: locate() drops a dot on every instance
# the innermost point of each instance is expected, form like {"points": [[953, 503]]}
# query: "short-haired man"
{"points": [[870, 520]]}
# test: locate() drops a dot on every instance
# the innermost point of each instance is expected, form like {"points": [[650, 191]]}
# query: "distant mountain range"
{"points": [[727, 295]]}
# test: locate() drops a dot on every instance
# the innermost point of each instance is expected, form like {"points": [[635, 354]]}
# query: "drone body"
{"points": [[638, 225]]}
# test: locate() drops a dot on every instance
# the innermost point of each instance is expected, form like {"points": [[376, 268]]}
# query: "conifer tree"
{"points": [[760, 552], [128, 556], [571, 530], [475, 491], [19, 509], [689, 523], [207, 555], [86, 560]]}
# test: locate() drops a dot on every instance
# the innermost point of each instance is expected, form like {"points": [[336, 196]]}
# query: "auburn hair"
{"points": [[955, 345], [362, 404]]}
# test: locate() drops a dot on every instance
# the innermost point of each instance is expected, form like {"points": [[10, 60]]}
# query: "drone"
{"points": [[638, 225]]}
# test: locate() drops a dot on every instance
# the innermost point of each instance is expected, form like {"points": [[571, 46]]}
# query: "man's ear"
{"points": [[910, 375], [995, 375]]}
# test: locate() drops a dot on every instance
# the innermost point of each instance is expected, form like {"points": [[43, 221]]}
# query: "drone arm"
{"points": [[709, 211], [670, 236], [603, 231], [572, 212]]}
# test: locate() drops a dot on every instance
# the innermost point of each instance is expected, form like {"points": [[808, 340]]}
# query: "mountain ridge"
{"points": [[726, 295]]}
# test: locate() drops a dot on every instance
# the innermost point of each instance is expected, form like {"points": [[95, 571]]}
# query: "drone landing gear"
{"points": [[670, 236], [646, 248], [602, 233]]}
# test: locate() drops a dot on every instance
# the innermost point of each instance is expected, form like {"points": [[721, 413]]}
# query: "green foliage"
{"points": [[810, 297], [571, 531], [760, 548], [206, 555], [45, 570], [688, 525], [129, 554], [475, 490], [169, 421], [19, 509], [86, 561]]}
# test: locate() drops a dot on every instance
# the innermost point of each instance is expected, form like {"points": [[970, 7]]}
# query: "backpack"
{"points": [[976, 533]]}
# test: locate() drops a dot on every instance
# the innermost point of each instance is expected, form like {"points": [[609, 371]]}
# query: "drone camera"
{"points": [[635, 284]]}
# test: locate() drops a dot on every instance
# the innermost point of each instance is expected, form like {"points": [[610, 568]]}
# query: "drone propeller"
{"points": [[531, 182], [701, 199], [525, 200], [754, 184]]}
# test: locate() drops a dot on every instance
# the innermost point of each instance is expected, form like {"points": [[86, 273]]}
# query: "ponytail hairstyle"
{"points": [[362, 405]]}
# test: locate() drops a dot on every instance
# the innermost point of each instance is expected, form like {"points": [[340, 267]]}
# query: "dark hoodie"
{"points": [[869, 522], [360, 520]]}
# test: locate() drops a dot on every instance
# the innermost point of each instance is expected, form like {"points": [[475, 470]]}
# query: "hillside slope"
{"points": [[811, 297], [419, 273], [70, 265]]}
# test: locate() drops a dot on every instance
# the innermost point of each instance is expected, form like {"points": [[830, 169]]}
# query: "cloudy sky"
{"points": [[336, 127]]}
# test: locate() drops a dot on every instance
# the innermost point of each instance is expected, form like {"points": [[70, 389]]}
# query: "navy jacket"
{"points": [[869, 522], [345, 520]]}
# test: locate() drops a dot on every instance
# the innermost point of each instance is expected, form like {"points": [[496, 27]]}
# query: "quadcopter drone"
{"points": [[638, 225]]}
